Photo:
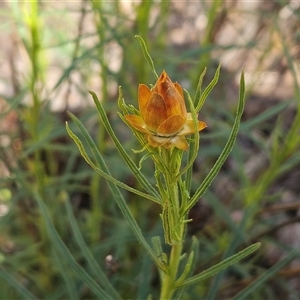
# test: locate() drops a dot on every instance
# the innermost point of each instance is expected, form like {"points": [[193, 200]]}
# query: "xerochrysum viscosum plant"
{"points": [[167, 132], [163, 123]]}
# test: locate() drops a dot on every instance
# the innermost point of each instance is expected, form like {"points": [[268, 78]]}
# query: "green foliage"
{"points": [[63, 235]]}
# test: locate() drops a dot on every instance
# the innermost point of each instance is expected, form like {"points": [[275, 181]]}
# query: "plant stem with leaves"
{"points": [[161, 126]]}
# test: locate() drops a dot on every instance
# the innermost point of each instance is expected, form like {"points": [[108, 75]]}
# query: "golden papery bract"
{"points": [[164, 118], [162, 108]]}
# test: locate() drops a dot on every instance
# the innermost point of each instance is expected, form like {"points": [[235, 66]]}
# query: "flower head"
{"points": [[164, 118]]}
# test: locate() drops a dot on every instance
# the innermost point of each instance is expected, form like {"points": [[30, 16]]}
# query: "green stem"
{"points": [[168, 280], [173, 226]]}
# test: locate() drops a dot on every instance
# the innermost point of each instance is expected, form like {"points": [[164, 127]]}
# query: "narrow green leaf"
{"points": [[227, 149], [222, 211], [135, 170], [108, 177], [156, 242], [16, 285], [220, 266], [187, 267], [208, 89], [147, 55], [254, 286], [192, 261], [67, 256], [193, 147], [265, 115], [70, 284], [93, 264], [199, 88], [118, 196]]}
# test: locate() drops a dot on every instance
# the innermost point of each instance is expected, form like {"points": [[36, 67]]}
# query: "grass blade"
{"points": [[93, 264], [69, 283], [16, 285], [67, 256], [245, 293]]}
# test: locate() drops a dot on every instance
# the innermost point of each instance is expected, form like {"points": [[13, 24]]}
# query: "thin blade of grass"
{"points": [[265, 115], [16, 285], [222, 211], [93, 264], [67, 256], [70, 284], [246, 293]]}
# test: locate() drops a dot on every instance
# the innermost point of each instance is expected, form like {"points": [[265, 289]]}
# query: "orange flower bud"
{"points": [[164, 118], [162, 108]]}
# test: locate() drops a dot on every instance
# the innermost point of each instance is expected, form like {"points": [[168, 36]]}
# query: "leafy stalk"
{"points": [[107, 176], [137, 173], [119, 198], [226, 151], [245, 293]]}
